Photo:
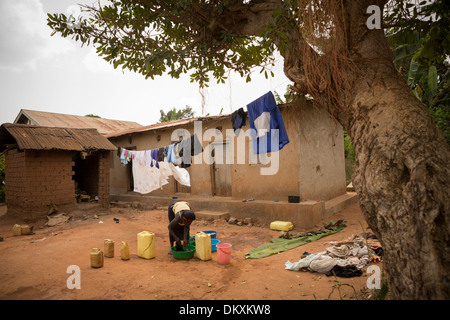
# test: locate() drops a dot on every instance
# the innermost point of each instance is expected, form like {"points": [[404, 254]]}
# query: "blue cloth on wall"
{"points": [[267, 126]]}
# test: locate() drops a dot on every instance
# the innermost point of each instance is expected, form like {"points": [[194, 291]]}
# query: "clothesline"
{"points": [[151, 168], [176, 153]]}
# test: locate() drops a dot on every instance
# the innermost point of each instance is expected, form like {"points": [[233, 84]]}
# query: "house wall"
{"points": [[282, 168], [321, 154], [36, 179], [311, 166], [104, 163]]}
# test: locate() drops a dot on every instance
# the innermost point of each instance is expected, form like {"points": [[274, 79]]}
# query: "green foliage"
{"points": [[421, 54], [287, 97], [168, 36], [348, 147], [381, 294], [92, 116], [349, 152], [441, 117], [175, 114]]}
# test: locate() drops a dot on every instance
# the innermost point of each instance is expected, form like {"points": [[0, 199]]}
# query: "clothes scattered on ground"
{"points": [[344, 259], [345, 271], [282, 244], [269, 133]]}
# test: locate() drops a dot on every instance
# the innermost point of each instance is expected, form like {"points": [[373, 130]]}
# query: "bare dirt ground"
{"points": [[34, 268]]}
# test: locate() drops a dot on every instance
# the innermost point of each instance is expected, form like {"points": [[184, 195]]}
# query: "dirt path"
{"points": [[33, 269]]}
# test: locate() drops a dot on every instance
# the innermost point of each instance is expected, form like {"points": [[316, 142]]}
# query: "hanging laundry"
{"points": [[125, 156], [154, 156], [161, 154], [177, 150], [140, 156], [170, 154], [164, 169], [187, 148], [190, 146], [238, 119], [269, 133], [181, 175], [147, 179]]}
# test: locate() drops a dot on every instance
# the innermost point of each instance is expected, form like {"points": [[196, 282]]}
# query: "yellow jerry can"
{"points": [[96, 258], [109, 248], [146, 244], [17, 230], [281, 225], [203, 246], [125, 251]]}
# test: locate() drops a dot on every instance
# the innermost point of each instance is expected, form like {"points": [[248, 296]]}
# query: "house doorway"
{"points": [[129, 168], [86, 174], [221, 169]]}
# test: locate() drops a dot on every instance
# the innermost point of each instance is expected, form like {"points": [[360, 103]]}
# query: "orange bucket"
{"points": [[223, 253]]}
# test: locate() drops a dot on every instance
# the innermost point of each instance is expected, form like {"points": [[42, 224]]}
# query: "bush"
{"points": [[349, 157], [441, 117]]}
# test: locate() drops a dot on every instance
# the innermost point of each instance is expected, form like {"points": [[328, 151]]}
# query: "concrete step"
{"points": [[211, 215], [339, 203]]}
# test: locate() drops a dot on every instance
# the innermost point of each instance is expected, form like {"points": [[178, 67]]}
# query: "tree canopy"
{"points": [[153, 37], [208, 38], [175, 114]]}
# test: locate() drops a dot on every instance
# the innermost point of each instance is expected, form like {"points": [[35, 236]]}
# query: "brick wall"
{"points": [[36, 179], [103, 178]]}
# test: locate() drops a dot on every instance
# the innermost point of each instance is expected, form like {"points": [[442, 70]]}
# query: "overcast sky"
{"points": [[55, 74]]}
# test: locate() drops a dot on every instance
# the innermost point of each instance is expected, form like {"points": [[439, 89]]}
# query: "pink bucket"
{"points": [[223, 253]]}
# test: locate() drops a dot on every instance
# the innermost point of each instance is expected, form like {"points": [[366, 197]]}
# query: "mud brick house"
{"points": [[45, 165], [311, 166]]}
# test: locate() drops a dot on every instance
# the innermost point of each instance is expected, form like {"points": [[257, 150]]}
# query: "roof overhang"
{"points": [[30, 137]]}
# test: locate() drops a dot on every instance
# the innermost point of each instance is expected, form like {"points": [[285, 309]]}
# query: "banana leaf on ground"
{"points": [[287, 241]]}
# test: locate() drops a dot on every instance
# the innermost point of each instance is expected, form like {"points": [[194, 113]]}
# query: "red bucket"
{"points": [[223, 253]]}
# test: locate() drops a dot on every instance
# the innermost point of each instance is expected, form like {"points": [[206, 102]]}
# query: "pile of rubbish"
{"points": [[343, 259], [55, 217]]}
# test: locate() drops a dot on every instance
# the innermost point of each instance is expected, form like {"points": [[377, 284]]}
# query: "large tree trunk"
{"points": [[402, 179], [402, 170], [402, 174]]}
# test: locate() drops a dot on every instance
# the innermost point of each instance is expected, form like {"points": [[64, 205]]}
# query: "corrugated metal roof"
{"points": [[50, 119], [165, 125], [51, 138]]}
